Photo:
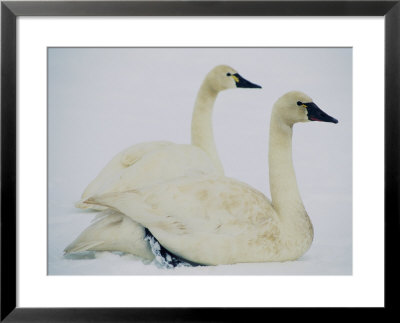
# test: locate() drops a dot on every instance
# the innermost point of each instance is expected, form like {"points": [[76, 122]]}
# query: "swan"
{"points": [[154, 162], [150, 162], [212, 219]]}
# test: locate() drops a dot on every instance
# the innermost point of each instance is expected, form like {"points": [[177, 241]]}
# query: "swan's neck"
{"points": [[202, 131], [285, 194]]}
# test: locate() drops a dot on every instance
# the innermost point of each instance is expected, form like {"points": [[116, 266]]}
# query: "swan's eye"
{"points": [[299, 103], [228, 74]]}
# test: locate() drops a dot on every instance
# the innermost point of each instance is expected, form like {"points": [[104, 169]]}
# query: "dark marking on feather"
{"points": [[165, 257]]}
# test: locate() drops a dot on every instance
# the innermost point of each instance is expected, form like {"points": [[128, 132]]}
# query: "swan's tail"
{"points": [[112, 231]]}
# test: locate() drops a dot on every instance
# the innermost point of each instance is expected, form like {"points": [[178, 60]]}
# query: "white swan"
{"points": [[218, 220], [153, 162]]}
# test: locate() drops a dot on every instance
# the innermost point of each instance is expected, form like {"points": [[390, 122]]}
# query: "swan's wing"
{"points": [[112, 231], [113, 169], [131, 155], [197, 213], [195, 202], [162, 165]]}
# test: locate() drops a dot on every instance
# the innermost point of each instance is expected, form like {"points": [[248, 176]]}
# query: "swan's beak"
{"points": [[242, 82], [316, 114]]}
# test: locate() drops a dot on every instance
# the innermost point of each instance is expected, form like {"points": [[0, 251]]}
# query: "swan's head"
{"points": [[223, 77], [296, 106]]}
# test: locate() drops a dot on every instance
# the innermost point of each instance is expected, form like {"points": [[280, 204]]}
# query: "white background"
{"points": [[118, 89]]}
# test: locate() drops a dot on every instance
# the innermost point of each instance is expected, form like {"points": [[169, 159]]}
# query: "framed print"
{"points": [[82, 81]]}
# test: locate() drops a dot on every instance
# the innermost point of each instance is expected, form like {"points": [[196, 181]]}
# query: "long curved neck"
{"points": [[283, 184], [202, 131], [285, 194]]}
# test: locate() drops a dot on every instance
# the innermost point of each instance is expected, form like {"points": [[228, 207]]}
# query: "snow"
{"points": [[328, 255], [104, 100]]}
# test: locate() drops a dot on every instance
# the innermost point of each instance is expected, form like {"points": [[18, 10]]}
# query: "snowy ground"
{"points": [[325, 258], [102, 101], [330, 254]]}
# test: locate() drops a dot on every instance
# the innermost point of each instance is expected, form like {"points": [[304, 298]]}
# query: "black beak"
{"points": [[316, 114], [242, 82]]}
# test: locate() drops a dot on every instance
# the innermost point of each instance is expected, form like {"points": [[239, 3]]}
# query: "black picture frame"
{"points": [[11, 10]]}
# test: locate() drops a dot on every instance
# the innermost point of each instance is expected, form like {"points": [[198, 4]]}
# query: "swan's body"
{"points": [[212, 219], [155, 162]]}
